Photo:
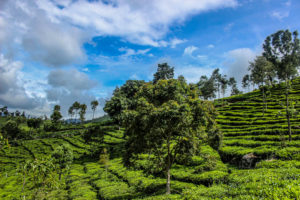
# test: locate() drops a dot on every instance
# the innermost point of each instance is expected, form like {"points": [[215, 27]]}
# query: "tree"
{"points": [[282, 49], [62, 158], [122, 99], [262, 72], [246, 82], [169, 121], [17, 113], [10, 129], [207, 87], [104, 159], [94, 105], [82, 112], [234, 89], [5, 111], [164, 72], [76, 107], [224, 84], [56, 115], [34, 123], [71, 112], [217, 77]]}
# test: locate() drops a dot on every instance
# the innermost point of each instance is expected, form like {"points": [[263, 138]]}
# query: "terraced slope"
{"points": [[247, 129]]}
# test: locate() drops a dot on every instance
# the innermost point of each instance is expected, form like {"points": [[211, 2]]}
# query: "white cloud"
{"points": [[210, 46], [68, 86], [142, 22], [237, 62], [280, 14], [132, 52], [12, 91], [175, 42], [189, 50]]}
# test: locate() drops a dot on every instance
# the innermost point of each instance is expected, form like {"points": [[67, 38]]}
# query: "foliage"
{"points": [[56, 115], [11, 130], [282, 49], [169, 121], [34, 123], [122, 99], [62, 158], [94, 105], [164, 72]]}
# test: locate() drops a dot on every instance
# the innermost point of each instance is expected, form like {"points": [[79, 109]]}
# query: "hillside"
{"points": [[247, 129], [209, 175]]}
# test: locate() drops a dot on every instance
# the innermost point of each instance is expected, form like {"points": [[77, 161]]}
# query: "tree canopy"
{"points": [[168, 119]]}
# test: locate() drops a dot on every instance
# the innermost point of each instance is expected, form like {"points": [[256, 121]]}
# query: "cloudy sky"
{"points": [[60, 51]]}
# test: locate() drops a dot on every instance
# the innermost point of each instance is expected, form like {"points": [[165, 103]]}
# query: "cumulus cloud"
{"points": [[139, 21], [52, 45], [12, 92], [68, 86], [189, 50], [237, 62], [46, 40]]}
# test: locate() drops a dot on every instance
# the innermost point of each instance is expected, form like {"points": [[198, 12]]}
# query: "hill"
{"points": [[274, 173]]}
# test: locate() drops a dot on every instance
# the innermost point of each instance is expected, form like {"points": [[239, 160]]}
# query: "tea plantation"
{"points": [[274, 172]]}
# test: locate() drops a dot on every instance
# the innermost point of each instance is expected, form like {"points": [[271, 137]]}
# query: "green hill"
{"points": [[247, 129], [209, 175]]}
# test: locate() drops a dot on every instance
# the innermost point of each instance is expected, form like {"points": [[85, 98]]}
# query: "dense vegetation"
{"points": [[162, 141]]}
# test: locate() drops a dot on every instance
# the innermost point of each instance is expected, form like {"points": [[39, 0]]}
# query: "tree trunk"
{"points": [[24, 182], [287, 109], [168, 169], [168, 181], [93, 114]]}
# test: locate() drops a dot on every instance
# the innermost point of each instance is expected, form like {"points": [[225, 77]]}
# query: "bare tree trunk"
{"points": [[168, 169], [24, 182], [168, 181]]}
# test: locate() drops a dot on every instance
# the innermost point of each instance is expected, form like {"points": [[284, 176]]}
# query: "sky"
{"points": [[62, 51]]}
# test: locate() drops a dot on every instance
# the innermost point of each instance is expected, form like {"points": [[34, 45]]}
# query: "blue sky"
{"points": [[59, 51]]}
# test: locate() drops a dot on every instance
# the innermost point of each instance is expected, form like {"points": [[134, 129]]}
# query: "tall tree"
{"points": [[71, 112], [262, 72], [224, 84], [94, 105], [82, 112], [76, 107], [234, 89], [56, 115], [217, 77], [207, 87], [164, 72], [246, 82], [169, 121], [282, 49]]}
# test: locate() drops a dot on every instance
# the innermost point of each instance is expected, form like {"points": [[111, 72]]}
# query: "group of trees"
{"points": [[80, 109], [4, 112], [216, 84], [279, 61], [163, 117]]}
